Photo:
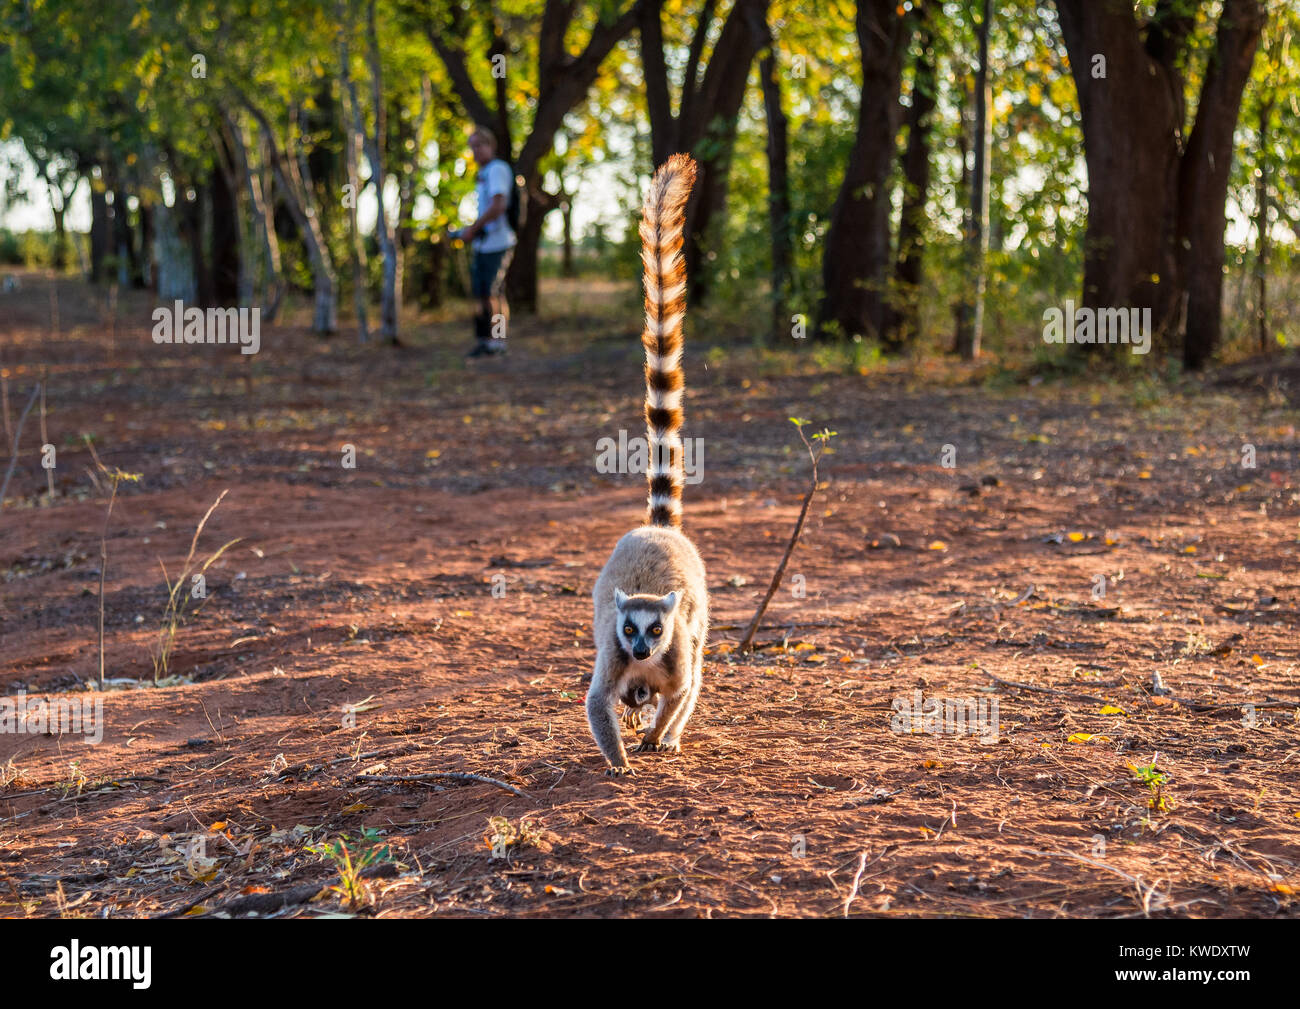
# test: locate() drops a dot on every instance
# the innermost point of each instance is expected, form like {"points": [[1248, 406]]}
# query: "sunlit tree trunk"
{"points": [[970, 314], [856, 256]]}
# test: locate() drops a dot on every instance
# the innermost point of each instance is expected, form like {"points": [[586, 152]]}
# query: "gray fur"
{"points": [[654, 576]]}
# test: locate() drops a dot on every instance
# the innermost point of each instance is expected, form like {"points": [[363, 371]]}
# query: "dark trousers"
{"points": [[487, 277]]}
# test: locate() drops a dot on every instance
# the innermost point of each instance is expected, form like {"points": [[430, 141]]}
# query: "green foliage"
{"points": [[108, 94], [351, 859]]}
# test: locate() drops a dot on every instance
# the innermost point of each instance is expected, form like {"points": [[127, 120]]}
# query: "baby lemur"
{"points": [[651, 602]]}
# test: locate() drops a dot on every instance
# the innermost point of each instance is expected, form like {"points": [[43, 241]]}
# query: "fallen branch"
{"points": [[857, 879], [433, 775], [1040, 690], [1204, 706], [1184, 701], [269, 903], [178, 911]]}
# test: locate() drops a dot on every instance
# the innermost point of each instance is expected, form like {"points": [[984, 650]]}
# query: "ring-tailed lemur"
{"points": [[651, 601]]}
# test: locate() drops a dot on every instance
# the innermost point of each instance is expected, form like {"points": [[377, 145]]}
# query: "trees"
{"points": [[707, 109], [1157, 184], [1269, 155], [858, 244], [902, 319], [224, 146], [975, 230], [778, 188], [562, 81]]}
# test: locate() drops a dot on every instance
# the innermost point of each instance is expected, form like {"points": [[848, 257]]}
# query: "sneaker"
{"points": [[481, 349]]}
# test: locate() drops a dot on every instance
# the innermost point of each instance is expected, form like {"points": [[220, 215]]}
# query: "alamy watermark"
{"points": [[177, 324], [952, 716], [1101, 325], [632, 455], [64, 716]]}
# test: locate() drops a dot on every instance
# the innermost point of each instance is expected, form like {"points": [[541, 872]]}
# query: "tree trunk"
{"points": [[412, 141], [375, 152], [60, 238], [123, 239], [856, 254], [706, 126], [1261, 229], [566, 215], [290, 173], [101, 225], [778, 192], [352, 139], [1203, 177], [1130, 139], [1155, 212], [190, 215], [903, 316], [226, 267], [59, 198], [148, 267], [175, 268], [521, 278], [970, 315], [261, 213]]}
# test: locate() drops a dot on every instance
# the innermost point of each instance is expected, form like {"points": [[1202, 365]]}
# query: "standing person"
{"points": [[492, 241]]}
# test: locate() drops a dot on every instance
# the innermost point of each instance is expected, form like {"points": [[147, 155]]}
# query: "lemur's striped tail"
{"points": [[663, 221]]}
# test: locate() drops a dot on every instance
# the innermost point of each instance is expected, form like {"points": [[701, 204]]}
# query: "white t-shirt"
{"points": [[494, 179]]}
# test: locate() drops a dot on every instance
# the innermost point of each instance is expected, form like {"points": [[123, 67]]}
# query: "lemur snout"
{"points": [[641, 653]]}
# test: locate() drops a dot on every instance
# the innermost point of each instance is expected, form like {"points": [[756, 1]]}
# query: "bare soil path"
{"points": [[429, 611]]}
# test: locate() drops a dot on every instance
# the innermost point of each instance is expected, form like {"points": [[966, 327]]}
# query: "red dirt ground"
{"points": [[791, 796]]}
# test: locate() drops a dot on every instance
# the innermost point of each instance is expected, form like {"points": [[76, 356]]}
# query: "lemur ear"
{"points": [[620, 598], [668, 602]]}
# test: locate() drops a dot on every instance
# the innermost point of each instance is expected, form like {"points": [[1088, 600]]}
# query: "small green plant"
{"points": [[503, 835], [1155, 781], [368, 850], [76, 782]]}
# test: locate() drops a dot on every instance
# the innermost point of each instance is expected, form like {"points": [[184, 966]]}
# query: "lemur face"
{"points": [[645, 623]]}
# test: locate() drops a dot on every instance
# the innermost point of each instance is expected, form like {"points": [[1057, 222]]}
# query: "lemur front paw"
{"points": [[648, 747], [619, 771]]}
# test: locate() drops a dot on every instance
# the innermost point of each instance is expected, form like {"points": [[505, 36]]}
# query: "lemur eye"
{"points": [[656, 630], [629, 630]]}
